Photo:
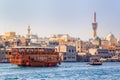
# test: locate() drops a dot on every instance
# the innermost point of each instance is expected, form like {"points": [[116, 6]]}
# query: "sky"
{"points": [[73, 17]]}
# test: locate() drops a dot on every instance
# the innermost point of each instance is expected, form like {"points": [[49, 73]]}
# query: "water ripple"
{"points": [[66, 71]]}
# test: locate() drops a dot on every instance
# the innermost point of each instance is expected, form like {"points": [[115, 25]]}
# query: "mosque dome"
{"points": [[96, 38], [110, 36]]}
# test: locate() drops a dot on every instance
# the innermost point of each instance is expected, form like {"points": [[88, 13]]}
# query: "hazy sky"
{"points": [[73, 17]]}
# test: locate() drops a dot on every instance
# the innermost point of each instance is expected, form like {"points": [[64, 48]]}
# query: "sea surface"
{"points": [[65, 71]]}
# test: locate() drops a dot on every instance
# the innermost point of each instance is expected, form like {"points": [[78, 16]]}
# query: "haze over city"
{"points": [[73, 17]]}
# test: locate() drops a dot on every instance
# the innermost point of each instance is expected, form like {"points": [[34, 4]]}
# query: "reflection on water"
{"points": [[66, 71]]}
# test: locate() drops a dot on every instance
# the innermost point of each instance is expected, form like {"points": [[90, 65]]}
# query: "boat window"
{"points": [[53, 50], [31, 50], [14, 50], [27, 50], [20, 50], [46, 50], [49, 50], [35, 50], [41, 50]]}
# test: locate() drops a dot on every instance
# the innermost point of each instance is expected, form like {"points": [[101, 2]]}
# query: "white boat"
{"points": [[95, 60]]}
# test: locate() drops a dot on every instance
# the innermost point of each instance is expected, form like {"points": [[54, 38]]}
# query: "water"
{"points": [[66, 71]]}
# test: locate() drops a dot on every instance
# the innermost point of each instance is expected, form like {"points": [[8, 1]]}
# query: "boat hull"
{"points": [[95, 63]]}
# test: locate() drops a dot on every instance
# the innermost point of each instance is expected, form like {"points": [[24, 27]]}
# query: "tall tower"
{"points": [[28, 35], [28, 40], [94, 25]]}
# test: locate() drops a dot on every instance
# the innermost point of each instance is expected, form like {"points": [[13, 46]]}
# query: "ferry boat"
{"points": [[95, 60], [34, 56]]}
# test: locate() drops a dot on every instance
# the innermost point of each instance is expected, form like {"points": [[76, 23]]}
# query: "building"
{"points": [[83, 57], [8, 36], [63, 39], [103, 53], [67, 52], [53, 43], [3, 53], [104, 44], [118, 50], [43, 41], [81, 46], [111, 38]]}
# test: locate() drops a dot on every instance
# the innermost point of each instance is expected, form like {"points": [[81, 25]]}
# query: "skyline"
{"points": [[60, 17]]}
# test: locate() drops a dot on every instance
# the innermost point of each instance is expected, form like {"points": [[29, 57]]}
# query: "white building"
{"points": [[111, 38], [103, 53], [62, 39], [34, 38], [67, 53], [81, 46]]}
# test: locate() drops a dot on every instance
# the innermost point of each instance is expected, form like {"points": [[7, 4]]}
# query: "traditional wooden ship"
{"points": [[95, 60], [34, 56]]}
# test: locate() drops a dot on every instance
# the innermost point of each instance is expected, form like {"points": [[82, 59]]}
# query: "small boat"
{"points": [[35, 56], [95, 60]]}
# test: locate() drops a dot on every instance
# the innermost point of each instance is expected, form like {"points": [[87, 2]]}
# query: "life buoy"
{"points": [[27, 63]]}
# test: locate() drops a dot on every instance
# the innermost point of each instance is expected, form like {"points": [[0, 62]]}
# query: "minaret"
{"points": [[28, 37], [94, 26]]}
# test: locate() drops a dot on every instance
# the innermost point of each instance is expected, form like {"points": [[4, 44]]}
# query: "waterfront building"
{"points": [[81, 46], [118, 50], [104, 44], [103, 53], [112, 50], [34, 40], [67, 52], [43, 41], [83, 57], [3, 53]]}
